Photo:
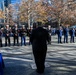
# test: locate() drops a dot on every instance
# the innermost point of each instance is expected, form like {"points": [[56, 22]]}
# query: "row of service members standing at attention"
{"points": [[0, 38], [65, 31], [7, 31]]}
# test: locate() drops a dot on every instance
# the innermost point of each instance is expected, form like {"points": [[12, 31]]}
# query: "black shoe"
{"points": [[40, 71], [61, 42], [1, 46], [9, 45], [49, 43], [17, 44], [25, 44], [13, 44], [5, 45]]}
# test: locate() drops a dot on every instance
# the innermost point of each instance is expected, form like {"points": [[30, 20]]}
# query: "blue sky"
{"points": [[1, 0], [14, 1]]}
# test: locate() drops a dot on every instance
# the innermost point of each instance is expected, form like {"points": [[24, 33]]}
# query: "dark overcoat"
{"points": [[39, 38]]}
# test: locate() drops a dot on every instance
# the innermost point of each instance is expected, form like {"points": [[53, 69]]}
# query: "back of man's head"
{"points": [[35, 26]]}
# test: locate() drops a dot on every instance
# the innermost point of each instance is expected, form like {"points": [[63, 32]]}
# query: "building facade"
{"points": [[1, 11], [2, 5], [7, 2]]}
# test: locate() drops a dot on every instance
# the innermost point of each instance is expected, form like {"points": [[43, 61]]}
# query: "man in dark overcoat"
{"points": [[15, 32], [39, 38], [7, 35]]}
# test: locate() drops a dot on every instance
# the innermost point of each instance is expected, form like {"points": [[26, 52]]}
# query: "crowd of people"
{"points": [[65, 31], [38, 38], [23, 32], [15, 32]]}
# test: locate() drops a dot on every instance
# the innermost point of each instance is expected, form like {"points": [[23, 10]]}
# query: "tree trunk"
{"points": [[29, 21], [59, 22]]}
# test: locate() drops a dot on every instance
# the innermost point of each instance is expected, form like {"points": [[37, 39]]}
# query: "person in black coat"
{"points": [[39, 38], [7, 35], [72, 35], [15, 32], [29, 34]]}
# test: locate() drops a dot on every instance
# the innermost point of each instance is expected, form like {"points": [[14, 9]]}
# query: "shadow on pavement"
{"points": [[61, 61]]}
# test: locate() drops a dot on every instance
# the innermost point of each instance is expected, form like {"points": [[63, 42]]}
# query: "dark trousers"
{"points": [[72, 39], [16, 39], [7, 38], [23, 40], [29, 41], [65, 39], [40, 56], [59, 39], [0, 42], [49, 39]]}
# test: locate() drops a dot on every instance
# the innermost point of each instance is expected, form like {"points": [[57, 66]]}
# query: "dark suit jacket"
{"points": [[7, 32], [39, 38], [15, 32], [65, 31], [72, 32]]}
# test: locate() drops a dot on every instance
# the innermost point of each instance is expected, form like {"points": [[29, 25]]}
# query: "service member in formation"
{"points": [[29, 30], [39, 38], [59, 33], [72, 35], [49, 30], [7, 35], [0, 37], [23, 35], [66, 32], [15, 32]]}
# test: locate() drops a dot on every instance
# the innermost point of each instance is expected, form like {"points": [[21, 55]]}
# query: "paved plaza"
{"points": [[61, 59]]}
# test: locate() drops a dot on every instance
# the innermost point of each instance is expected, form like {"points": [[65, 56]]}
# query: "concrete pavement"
{"points": [[60, 57]]}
